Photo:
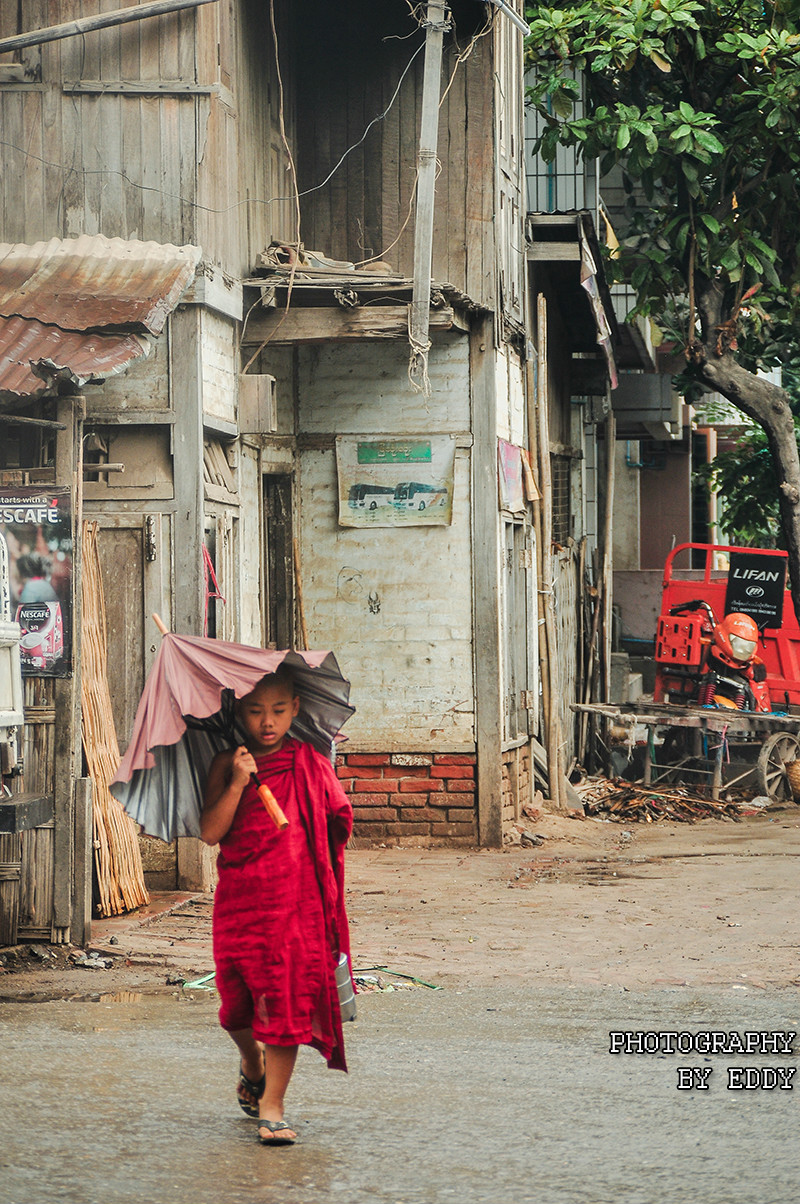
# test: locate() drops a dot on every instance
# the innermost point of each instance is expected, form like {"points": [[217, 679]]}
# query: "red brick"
{"points": [[371, 815], [367, 758], [420, 815], [376, 785], [454, 758], [406, 829], [459, 816], [364, 771], [452, 830], [346, 785], [368, 800], [461, 784], [407, 771], [413, 800], [459, 800], [453, 771], [370, 830], [440, 800], [420, 784]]}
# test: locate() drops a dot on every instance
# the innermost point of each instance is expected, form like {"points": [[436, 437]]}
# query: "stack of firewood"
{"points": [[632, 802]]}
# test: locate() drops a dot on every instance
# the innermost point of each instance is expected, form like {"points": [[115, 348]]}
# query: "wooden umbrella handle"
{"points": [[160, 624], [271, 804]]}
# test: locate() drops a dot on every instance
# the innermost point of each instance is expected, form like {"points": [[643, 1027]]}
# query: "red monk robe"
{"points": [[279, 918]]}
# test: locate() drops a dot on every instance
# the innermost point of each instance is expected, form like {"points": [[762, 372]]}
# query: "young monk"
{"points": [[279, 922]]}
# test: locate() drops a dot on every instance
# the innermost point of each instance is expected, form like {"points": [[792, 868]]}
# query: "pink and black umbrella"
{"points": [[187, 714]]}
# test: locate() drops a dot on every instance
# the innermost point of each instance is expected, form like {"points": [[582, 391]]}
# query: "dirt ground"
{"points": [[596, 903]]}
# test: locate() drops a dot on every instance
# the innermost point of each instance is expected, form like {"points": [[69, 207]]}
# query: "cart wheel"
{"points": [[776, 752]]}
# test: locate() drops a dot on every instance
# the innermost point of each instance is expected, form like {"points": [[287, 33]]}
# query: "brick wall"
{"points": [[411, 798], [516, 786]]}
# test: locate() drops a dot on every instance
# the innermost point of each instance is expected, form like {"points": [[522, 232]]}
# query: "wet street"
{"points": [[118, 1087], [473, 1094]]}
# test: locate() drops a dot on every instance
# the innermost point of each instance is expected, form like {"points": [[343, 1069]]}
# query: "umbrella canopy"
{"points": [[186, 716]]}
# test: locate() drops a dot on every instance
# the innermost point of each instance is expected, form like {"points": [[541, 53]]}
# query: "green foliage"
{"points": [[697, 104], [744, 478]]}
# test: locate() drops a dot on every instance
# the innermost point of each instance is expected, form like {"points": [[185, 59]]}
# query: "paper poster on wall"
{"points": [[395, 482], [36, 524], [509, 469]]}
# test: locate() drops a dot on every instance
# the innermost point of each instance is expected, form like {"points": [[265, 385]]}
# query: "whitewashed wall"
{"points": [[250, 546], [220, 358], [510, 396], [395, 605]]}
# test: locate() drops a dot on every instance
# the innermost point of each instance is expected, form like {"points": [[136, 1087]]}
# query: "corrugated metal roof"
{"points": [[70, 308], [34, 357], [92, 281]]}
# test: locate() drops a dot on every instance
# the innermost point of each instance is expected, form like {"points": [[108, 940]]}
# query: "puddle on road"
{"points": [[583, 873], [109, 998]]}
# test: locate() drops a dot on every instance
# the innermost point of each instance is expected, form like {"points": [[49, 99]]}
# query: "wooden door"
{"points": [[130, 549], [135, 570]]}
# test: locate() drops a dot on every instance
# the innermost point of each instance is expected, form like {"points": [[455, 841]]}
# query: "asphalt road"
{"points": [[478, 1094]]}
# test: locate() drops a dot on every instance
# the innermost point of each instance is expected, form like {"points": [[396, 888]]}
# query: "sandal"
{"points": [[249, 1093], [275, 1127]]}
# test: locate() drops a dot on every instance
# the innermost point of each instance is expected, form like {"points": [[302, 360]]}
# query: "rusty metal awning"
{"points": [[83, 309]]}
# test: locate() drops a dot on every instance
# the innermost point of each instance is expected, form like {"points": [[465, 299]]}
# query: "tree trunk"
{"points": [[767, 405]]}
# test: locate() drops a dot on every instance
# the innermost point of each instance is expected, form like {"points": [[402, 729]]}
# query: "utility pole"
{"points": [[436, 23]]}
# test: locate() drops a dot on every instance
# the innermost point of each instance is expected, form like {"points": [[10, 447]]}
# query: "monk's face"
{"points": [[266, 715]]}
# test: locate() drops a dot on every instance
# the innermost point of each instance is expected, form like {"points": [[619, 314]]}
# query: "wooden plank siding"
{"points": [[351, 75], [201, 159], [38, 753]]}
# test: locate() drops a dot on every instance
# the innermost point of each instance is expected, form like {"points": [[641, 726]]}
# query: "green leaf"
{"points": [[623, 136], [730, 259], [562, 104], [709, 142]]}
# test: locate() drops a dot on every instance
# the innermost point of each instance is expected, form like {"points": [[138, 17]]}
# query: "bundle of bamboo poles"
{"points": [[118, 861]]}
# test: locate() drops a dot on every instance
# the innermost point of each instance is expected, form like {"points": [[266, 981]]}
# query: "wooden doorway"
{"points": [[278, 557], [135, 575]]}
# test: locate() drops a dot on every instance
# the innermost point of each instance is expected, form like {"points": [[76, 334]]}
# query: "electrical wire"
{"points": [[172, 196], [293, 169]]}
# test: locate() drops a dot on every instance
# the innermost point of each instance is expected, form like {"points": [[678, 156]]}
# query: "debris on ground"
{"points": [[627, 802], [381, 978], [90, 961]]}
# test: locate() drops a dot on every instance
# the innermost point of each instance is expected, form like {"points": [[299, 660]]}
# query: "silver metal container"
{"points": [[344, 985]]}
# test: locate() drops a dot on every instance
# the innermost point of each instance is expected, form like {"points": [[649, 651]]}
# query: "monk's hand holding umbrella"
{"points": [[188, 714]]}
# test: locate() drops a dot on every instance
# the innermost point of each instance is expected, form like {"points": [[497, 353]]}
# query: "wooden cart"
{"points": [[725, 747]]}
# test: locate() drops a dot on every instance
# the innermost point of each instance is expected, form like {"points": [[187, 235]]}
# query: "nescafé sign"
{"points": [[36, 524], [757, 586]]}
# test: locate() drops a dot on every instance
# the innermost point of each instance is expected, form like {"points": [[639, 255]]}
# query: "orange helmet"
{"points": [[736, 638]]}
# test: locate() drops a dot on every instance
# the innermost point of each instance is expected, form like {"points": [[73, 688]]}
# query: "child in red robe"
{"points": [[279, 921]]}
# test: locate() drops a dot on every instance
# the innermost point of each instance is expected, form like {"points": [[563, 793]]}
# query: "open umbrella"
{"points": [[186, 715]]}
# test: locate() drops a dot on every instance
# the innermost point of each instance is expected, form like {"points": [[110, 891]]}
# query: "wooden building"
{"points": [[283, 142]]}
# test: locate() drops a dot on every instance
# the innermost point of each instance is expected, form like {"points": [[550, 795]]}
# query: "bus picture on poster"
{"points": [[36, 523]]}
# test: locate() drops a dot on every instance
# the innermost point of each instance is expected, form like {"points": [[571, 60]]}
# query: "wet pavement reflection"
{"points": [[480, 1094]]}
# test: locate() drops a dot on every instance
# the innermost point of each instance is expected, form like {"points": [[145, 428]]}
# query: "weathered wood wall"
{"points": [[165, 129], [349, 75]]}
